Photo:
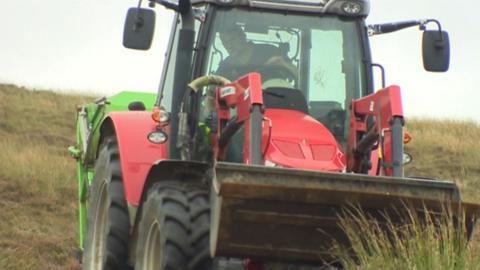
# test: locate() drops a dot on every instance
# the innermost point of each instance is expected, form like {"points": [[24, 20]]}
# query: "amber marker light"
{"points": [[156, 114], [407, 137]]}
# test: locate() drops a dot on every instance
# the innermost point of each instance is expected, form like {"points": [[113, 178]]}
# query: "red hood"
{"points": [[300, 141]]}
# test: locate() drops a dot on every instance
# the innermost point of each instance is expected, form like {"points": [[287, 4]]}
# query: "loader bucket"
{"points": [[271, 213]]}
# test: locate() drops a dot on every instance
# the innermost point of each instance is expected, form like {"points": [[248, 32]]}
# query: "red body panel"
{"points": [[299, 141], [296, 140], [383, 106], [137, 154], [242, 95]]}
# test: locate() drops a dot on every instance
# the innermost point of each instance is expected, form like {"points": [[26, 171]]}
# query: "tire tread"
{"points": [[183, 213], [118, 223]]}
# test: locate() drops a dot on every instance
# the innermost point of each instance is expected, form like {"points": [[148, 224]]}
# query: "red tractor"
{"points": [[266, 125]]}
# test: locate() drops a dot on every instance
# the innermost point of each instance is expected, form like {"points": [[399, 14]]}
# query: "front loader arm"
{"points": [[376, 124], [245, 95]]}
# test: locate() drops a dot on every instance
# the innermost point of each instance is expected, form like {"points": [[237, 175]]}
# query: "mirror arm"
{"points": [[424, 23], [139, 20], [423, 27], [166, 4], [378, 29], [183, 7]]}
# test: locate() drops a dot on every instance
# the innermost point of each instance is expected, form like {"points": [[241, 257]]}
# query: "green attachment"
{"points": [[120, 101], [89, 119], [74, 152]]}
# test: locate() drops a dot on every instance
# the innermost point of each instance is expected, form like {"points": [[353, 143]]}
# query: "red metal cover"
{"points": [[299, 141], [137, 154]]}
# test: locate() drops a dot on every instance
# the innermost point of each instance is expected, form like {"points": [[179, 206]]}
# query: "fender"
{"points": [[179, 170], [137, 154]]}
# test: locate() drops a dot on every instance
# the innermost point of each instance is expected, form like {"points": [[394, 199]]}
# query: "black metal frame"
{"points": [[367, 58], [167, 59]]}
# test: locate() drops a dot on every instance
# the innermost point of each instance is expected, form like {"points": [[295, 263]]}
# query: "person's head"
{"points": [[233, 39]]}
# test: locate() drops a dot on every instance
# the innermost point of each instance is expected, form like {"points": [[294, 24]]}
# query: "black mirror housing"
{"points": [[436, 51], [139, 28]]}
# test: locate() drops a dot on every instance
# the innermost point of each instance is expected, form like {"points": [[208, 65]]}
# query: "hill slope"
{"points": [[446, 150], [38, 223], [37, 179]]}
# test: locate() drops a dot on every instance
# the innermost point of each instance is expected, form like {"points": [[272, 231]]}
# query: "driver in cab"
{"points": [[245, 56]]}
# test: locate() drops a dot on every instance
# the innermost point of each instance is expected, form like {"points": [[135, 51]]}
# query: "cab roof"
{"points": [[350, 8]]}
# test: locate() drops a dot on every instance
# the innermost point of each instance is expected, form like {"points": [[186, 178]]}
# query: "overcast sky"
{"points": [[76, 45]]}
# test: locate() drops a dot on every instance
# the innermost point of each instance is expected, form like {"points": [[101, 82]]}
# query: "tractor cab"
{"points": [[319, 56], [312, 56], [314, 51]]}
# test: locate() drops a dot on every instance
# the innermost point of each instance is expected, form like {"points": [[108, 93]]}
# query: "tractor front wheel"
{"points": [[108, 227], [174, 229]]}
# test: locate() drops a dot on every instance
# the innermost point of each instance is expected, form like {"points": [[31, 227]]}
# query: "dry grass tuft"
{"points": [[37, 179], [422, 242]]}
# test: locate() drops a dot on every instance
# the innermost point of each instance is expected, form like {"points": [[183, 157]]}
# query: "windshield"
{"points": [[319, 55]]}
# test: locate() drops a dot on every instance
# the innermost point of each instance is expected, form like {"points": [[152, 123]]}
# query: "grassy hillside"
{"points": [[446, 150], [38, 224], [37, 182]]}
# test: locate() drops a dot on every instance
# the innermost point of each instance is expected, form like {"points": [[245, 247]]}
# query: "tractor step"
{"points": [[272, 213]]}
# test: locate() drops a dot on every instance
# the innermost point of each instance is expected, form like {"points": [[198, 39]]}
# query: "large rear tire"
{"points": [[108, 227], [174, 229]]}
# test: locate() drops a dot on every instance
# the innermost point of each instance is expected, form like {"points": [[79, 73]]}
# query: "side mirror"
{"points": [[436, 51], [139, 28]]}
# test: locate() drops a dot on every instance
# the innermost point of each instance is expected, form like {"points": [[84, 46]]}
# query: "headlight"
{"points": [[269, 163], [164, 117], [157, 137], [226, 2], [407, 158], [351, 8]]}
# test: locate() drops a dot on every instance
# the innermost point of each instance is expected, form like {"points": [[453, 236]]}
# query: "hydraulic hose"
{"points": [[203, 81], [183, 126]]}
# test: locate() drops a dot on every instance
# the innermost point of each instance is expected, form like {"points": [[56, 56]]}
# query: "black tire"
{"points": [[108, 226], [174, 229]]}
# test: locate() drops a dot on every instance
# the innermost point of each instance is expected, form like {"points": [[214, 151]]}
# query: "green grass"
{"points": [[38, 222]]}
